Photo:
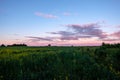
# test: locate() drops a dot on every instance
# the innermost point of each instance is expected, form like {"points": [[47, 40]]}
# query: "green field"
{"points": [[59, 63]]}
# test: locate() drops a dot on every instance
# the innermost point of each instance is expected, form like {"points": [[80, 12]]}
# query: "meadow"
{"points": [[60, 63]]}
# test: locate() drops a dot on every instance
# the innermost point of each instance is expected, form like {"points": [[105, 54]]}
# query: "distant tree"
{"points": [[72, 46], [17, 45], [103, 44], [49, 45], [2, 45], [117, 45]]}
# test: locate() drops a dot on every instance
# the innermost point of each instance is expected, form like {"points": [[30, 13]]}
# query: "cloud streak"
{"points": [[110, 39], [45, 15], [39, 38]]}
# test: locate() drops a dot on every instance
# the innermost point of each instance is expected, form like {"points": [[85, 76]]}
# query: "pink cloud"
{"points": [[116, 34], [45, 15]]}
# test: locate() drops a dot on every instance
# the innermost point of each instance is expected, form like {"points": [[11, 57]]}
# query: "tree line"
{"points": [[13, 45], [107, 45]]}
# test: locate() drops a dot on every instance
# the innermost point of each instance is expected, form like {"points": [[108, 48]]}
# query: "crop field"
{"points": [[60, 63]]}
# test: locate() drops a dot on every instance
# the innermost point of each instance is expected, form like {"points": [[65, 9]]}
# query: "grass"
{"points": [[59, 63]]}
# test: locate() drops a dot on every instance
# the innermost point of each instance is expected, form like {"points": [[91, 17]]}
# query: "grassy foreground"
{"points": [[59, 63]]}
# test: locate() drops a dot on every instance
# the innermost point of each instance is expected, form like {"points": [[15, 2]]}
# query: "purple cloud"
{"points": [[77, 32], [69, 38], [66, 35], [91, 29], [45, 15], [75, 37], [110, 39], [116, 34], [81, 31]]}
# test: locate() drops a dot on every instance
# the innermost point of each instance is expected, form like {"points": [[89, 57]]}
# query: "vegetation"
{"points": [[2, 45], [60, 63], [13, 45]]}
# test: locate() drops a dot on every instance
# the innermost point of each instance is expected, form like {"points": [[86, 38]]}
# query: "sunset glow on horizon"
{"points": [[59, 22]]}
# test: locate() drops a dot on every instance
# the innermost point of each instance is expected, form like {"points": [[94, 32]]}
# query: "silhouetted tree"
{"points": [[103, 44], [17, 45], [49, 45], [2, 45], [117, 45]]}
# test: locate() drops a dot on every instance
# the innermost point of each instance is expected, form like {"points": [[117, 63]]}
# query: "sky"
{"points": [[59, 22]]}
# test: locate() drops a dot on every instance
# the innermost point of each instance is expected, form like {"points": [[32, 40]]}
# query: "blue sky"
{"points": [[40, 22]]}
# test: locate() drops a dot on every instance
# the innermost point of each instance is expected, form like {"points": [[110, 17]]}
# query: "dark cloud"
{"points": [[64, 33], [81, 31], [39, 38], [67, 35], [75, 37], [69, 38], [88, 29]]}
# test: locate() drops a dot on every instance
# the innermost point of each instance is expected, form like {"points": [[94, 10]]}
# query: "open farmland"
{"points": [[59, 63]]}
